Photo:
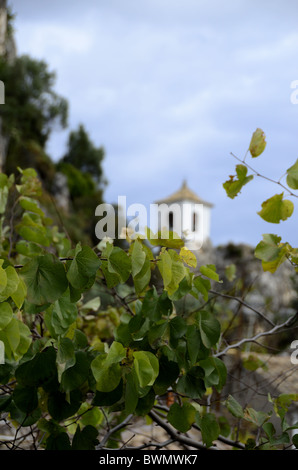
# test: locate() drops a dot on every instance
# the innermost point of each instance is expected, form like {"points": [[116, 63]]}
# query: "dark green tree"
{"points": [[32, 109], [83, 155], [82, 166]]}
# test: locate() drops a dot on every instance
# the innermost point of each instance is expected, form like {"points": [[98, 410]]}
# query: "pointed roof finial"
{"points": [[184, 194]]}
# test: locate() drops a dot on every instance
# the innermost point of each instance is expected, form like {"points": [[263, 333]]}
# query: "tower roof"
{"points": [[184, 194]]}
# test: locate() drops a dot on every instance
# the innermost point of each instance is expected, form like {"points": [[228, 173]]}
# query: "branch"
{"points": [[113, 430], [265, 177], [176, 436], [242, 302], [223, 439], [290, 321]]}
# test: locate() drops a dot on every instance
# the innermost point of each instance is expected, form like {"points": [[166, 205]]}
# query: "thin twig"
{"points": [[276, 328], [265, 177], [242, 302], [119, 426], [176, 436]]}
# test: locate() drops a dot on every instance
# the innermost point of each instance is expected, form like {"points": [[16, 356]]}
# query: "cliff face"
{"points": [[3, 27], [8, 51]]}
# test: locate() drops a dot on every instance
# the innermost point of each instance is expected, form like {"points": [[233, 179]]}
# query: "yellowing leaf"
{"points": [[188, 257], [234, 186], [257, 144], [271, 252], [276, 209]]}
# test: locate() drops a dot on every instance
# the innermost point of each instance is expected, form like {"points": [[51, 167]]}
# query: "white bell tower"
{"points": [[187, 214]]}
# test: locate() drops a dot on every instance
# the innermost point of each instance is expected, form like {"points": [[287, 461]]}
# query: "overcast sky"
{"points": [[170, 88]]}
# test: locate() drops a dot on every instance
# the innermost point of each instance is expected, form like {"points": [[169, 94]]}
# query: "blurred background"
{"points": [[155, 93]]}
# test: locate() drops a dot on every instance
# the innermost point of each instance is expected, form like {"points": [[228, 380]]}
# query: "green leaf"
{"points": [[40, 371], [19, 295], [202, 286], [108, 398], [83, 268], [131, 394], [258, 143], [215, 372], [172, 270], [271, 434], [112, 279], [224, 425], [45, 279], [146, 366], [12, 335], [158, 333], [119, 263], [12, 283], [154, 306], [31, 229], [256, 417], [145, 404], [23, 418], [6, 314], [295, 440], [5, 401], [194, 343], [271, 252], [209, 427], [276, 209], [209, 328], [107, 375], [25, 398], [28, 249], [116, 354], [185, 287], [269, 248], [92, 417], [292, 176], [25, 340], [165, 268], [92, 304], [192, 384], [3, 278], [62, 314], [230, 272], [142, 279], [75, 376], [182, 417], [85, 439], [30, 205], [30, 184], [58, 442], [138, 257], [210, 271], [61, 406], [233, 187], [168, 374], [164, 238], [65, 356], [177, 328], [234, 407]]}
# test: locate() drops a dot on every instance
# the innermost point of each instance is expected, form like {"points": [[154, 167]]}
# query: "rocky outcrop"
{"points": [[275, 293], [7, 50]]}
